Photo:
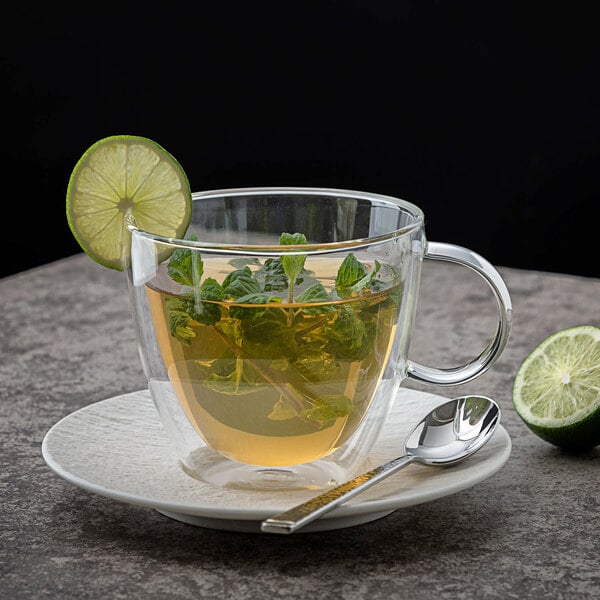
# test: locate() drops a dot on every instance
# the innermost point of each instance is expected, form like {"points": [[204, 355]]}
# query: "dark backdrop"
{"points": [[483, 114]]}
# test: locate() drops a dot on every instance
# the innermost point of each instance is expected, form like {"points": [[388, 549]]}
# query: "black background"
{"points": [[484, 114]]}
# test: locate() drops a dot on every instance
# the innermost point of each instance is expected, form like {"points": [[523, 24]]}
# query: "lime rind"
{"points": [[125, 175]]}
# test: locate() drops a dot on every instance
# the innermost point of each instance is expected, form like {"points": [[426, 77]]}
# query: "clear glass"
{"points": [[275, 336]]}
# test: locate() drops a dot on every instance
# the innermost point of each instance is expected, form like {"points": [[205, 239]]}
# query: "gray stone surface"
{"points": [[530, 531]]}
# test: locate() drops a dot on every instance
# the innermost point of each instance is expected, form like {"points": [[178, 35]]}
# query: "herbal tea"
{"points": [[275, 362]]}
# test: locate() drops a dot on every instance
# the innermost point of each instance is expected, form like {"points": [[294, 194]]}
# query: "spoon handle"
{"points": [[298, 516]]}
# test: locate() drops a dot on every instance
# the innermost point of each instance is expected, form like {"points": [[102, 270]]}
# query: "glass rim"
{"points": [[276, 249]]}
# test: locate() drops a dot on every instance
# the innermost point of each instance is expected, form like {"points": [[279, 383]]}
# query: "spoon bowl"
{"points": [[448, 434], [453, 431]]}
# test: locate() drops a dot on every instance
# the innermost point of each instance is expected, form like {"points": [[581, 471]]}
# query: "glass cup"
{"points": [[275, 335]]}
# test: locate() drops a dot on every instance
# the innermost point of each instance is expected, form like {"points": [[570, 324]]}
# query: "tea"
{"points": [[284, 381]]}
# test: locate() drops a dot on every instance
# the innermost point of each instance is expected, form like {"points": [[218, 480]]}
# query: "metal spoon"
{"points": [[448, 434]]}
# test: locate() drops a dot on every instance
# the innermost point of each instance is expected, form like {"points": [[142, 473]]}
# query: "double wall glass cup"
{"points": [[275, 335]]}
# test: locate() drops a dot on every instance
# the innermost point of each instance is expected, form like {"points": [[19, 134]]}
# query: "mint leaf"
{"points": [[186, 266], [252, 312], [236, 382], [242, 271], [347, 336], [282, 411], [314, 364], [178, 321], [292, 239], [240, 282], [272, 275], [202, 306], [211, 290], [329, 407], [367, 280], [268, 337], [315, 293], [350, 272], [292, 265]]}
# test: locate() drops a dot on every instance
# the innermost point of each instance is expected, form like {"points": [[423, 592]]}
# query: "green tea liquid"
{"points": [[277, 387]]}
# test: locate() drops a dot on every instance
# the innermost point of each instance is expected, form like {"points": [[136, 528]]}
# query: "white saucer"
{"points": [[117, 448]]}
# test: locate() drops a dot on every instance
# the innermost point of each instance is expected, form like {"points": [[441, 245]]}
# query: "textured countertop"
{"points": [[529, 531]]}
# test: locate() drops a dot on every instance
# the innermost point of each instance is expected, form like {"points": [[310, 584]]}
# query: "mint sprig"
{"points": [[292, 263], [240, 283], [289, 345], [186, 267]]}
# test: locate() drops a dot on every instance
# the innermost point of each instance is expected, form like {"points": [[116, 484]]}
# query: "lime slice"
{"points": [[557, 388], [125, 175]]}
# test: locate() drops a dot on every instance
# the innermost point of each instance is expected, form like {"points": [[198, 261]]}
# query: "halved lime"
{"points": [[557, 388], [125, 175]]}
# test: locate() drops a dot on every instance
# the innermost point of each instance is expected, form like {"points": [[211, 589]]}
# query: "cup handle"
{"points": [[470, 370]]}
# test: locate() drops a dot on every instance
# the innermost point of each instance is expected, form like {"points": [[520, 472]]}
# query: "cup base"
{"points": [[209, 467]]}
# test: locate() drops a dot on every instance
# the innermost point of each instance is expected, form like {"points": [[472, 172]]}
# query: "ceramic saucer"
{"points": [[117, 448]]}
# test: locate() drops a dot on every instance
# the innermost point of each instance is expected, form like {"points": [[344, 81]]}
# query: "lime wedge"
{"points": [[556, 390], [125, 175]]}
